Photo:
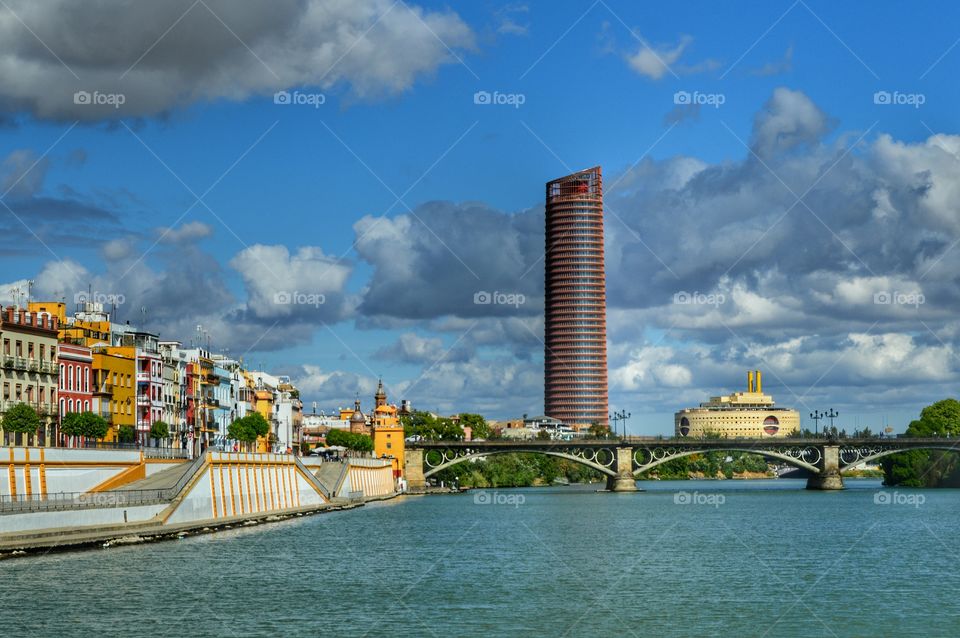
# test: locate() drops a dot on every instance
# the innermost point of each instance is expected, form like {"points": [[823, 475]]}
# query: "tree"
{"points": [[477, 424], [21, 419], [159, 430], [126, 434], [543, 435], [350, 440], [927, 468], [248, 429], [86, 424], [598, 431], [259, 425], [431, 428]]}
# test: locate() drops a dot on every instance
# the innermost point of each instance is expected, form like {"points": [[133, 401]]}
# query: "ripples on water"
{"points": [[770, 560]]}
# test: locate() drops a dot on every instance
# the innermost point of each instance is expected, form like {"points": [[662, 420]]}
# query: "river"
{"points": [[685, 558]]}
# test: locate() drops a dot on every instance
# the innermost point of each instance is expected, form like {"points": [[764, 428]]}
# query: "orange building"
{"points": [[388, 438]]}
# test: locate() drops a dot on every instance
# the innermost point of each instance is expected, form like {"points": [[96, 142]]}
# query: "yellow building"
{"points": [[388, 438], [114, 378], [750, 414]]}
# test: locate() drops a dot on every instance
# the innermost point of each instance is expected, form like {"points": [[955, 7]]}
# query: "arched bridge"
{"points": [[622, 460]]}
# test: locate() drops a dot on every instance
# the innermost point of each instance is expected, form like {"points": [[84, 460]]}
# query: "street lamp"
{"points": [[620, 416], [832, 415], [816, 416]]}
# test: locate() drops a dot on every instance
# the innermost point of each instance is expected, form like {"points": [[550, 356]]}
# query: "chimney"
{"points": [[759, 382], [750, 381]]}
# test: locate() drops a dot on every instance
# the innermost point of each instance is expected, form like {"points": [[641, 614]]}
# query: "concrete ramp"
{"points": [[164, 479], [330, 475]]}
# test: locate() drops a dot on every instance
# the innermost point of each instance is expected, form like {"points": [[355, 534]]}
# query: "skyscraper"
{"points": [[575, 321]]}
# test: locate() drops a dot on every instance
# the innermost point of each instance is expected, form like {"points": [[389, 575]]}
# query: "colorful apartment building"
{"points": [[28, 373], [75, 382]]}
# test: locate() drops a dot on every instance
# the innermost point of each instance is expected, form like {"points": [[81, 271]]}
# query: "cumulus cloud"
{"points": [[441, 258], [159, 56], [307, 284]]}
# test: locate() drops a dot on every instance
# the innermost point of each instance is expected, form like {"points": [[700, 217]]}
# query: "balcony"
{"points": [[143, 401], [43, 409]]}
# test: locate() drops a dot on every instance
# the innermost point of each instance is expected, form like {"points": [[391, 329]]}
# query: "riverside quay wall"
{"points": [[61, 497]]}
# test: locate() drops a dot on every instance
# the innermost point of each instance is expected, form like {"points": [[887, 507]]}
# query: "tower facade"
{"points": [[575, 302]]}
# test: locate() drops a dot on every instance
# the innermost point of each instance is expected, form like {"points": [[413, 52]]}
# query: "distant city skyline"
{"points": [[344, 191]]}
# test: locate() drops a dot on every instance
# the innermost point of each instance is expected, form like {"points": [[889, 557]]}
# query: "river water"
{"points": [[686, 558]]}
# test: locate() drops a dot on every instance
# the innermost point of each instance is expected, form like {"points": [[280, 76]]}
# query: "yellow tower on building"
{"points": [[387, 431]]}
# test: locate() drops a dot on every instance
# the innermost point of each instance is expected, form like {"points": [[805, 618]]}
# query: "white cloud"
{"points": [[161, 56]]}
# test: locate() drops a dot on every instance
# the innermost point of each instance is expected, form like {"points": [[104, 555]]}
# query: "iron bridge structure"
{"points": [[623, 460]]}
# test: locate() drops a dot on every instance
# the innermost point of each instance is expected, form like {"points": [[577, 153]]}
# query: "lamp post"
{"points": [[620, 416], [816, 416], [832, 415]]}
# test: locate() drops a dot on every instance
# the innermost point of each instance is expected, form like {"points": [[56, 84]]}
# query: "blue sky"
{"points": [[399, 197]]}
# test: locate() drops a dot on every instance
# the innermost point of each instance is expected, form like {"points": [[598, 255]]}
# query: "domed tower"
{"points": [[380, 398], [358, 422]]}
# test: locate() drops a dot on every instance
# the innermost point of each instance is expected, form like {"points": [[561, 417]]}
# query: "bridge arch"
{"points": [[907, 448], [771, 454], [606, 470]]}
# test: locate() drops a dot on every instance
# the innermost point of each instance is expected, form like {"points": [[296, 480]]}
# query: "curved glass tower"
{"points": [[575, 330]]}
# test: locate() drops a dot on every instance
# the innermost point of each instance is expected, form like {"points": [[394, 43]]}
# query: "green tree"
{"points": [[599, 431], [476, 422], [126, 434], [85, 424], [259, 425], [430, 427], [70, 425], [21, 419], [927, 468], [350, 440], [159, 430]]}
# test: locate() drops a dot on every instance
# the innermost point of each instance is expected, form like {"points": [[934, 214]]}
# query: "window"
{"points": [[70, 405], [30, 349], [86, 379], [86, 406], [63, 406], [19, 348], [6, 391], [6, 347], [70, 377], [61, 376]]}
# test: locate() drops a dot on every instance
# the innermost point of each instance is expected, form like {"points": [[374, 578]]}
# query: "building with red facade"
{"points": [[575, 319], [75, 385]]}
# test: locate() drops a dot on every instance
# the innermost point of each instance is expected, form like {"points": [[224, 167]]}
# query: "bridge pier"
{"points": [[413, 470], [624, 480], [829, 477]]}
